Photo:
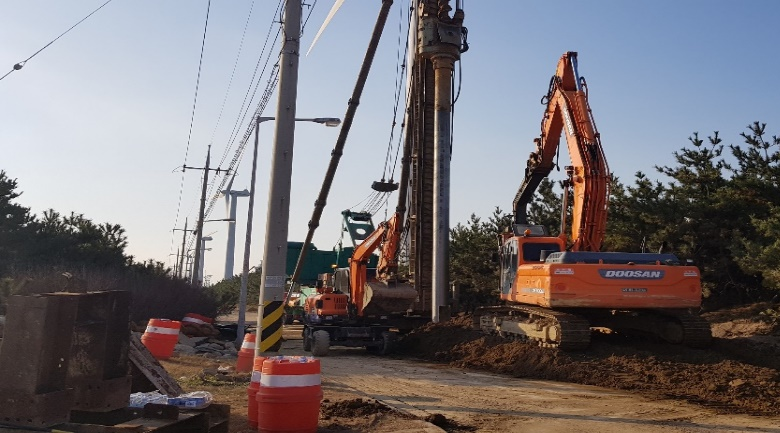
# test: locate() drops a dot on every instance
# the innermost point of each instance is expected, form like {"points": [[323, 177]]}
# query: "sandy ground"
{"points": [[463, 381], [486, 402]]}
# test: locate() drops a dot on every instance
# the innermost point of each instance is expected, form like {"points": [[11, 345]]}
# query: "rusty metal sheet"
{"points": [[36, 344], [99, 364], [102, 395], [37, 411]]}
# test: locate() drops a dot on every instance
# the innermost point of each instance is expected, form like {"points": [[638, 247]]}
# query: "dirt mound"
{"points": [[448, 425], [353, 408], [731, 376]]}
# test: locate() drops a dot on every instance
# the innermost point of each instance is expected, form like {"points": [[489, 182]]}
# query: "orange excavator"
{"points": [[556, 288], [359, 306]]}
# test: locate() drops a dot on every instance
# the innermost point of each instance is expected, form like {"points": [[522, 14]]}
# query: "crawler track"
{"points": [[696, 330], [546, 328]]}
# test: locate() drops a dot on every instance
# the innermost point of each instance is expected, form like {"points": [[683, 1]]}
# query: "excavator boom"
{"points": [[568, 112]]}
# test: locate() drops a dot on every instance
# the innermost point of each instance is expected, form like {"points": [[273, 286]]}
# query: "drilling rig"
{"points": [[370, 302]]}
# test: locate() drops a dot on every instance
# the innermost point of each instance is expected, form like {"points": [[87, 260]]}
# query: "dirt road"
{"points": [[486, 402]]}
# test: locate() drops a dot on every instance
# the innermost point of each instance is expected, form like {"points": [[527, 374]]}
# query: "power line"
{"points": [[244, 111], [192, 116], [21, 64], [232, 75]]}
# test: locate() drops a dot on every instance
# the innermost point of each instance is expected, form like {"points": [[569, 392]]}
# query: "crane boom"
{"points": [[568, 112]]}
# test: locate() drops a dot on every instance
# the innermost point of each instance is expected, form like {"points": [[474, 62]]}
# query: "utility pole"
{"points": [[176, 264], [199, 224], [270, 308], [180, 272]]}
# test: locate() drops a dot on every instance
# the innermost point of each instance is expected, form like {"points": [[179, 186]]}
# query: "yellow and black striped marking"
{"points": [[271, 336]]}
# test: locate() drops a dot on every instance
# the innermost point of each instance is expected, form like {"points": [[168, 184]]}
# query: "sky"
{"points": [[98, 123]]}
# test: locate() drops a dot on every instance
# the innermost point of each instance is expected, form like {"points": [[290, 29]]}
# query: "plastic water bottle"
{"points": [[140, 399]]}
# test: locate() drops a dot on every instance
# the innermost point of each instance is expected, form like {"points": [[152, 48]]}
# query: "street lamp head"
{"points": [[328, 121]]}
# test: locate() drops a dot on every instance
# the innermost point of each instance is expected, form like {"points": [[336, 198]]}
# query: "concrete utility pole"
{"points": [[181, 272], [270, 308], [197, 274]]}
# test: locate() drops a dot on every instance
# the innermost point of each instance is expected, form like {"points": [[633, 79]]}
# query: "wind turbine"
{"points": [[231, 199], [325, 23]]}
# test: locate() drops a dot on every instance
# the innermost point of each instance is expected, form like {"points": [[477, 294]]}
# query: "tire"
{"points": [[307, 340], [320, 343], [389, 341]]}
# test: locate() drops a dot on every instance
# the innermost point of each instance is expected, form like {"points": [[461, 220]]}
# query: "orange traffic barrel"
{"points": [[251, 391], [289, 396], [246, 355], [197, 318], [161, 337]]}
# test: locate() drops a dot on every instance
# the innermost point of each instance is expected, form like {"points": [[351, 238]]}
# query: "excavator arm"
{"points": [[568, 112], [384, 295]]}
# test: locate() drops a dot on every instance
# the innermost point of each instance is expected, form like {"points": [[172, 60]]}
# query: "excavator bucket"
{"points": [[382, 298]]}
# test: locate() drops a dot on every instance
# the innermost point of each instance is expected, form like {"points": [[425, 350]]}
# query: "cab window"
{"points": [[532, 251]]}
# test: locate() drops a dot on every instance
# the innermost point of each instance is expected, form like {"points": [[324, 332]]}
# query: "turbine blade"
{"points": [[332, 12]]}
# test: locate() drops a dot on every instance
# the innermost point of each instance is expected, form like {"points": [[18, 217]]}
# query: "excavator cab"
{"points": [[530, 244]]}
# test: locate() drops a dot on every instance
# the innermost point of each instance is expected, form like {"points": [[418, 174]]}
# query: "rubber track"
{"points": [[575, 330], [697, 331]]}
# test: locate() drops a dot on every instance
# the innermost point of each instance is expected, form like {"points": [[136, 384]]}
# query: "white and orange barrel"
{"points": [[198, 319], [161, 336], [289, 396], [246, 355], [251, 391]]}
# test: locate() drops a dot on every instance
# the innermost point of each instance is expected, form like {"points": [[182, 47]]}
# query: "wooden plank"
{"points": [[152, 369]]}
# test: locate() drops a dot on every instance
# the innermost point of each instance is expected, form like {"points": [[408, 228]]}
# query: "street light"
{"points": [[327, 121], [232, 220]]}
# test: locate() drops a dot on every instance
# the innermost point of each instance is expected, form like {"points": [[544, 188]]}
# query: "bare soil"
{"points": [[448, 377], [738, 374], [340, 411]]}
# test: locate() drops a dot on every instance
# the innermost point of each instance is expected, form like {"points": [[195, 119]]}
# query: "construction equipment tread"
{"points": [[575, 330]]}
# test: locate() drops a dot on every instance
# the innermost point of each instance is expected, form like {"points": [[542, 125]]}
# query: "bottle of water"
{"points": [[140, 399]]}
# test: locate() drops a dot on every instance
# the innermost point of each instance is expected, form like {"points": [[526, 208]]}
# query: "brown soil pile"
{"points": [[353, 408], [736, 375], [448, 425]]}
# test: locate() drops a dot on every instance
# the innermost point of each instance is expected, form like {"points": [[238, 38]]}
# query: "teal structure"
{"points": [[319, 261]]}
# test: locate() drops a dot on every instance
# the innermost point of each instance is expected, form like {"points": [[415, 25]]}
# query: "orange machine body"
{"points": [[566, 280]]}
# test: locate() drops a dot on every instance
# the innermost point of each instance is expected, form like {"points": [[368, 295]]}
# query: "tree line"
{"points": [[70, 252], [718, 205]]}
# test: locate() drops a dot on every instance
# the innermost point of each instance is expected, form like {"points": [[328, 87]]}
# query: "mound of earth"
{"points": [[735, 375], [352, 408]]}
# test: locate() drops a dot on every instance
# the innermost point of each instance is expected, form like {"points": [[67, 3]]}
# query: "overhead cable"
{"points": [[192, 116], [21, 64]]}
